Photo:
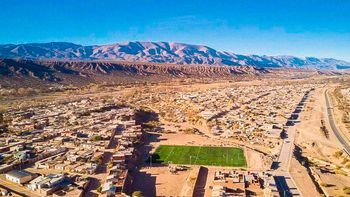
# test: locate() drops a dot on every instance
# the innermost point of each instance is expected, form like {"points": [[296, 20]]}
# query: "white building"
{"points": [[48, 181], [19, 176]]}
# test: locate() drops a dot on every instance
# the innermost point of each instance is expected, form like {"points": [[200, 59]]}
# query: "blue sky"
{"points": [[281, 27]]}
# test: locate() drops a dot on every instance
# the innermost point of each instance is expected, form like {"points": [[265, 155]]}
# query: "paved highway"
{"points": [[342, 139], [283, 179]]}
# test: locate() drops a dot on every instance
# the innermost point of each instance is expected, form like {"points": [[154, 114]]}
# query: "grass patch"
{"points": [[200, 155]]}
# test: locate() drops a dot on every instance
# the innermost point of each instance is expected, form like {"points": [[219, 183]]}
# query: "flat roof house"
{"points": [[19, 176]]}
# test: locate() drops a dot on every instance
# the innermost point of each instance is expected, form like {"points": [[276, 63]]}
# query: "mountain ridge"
{"points": [[161, 52], [36, 73]]}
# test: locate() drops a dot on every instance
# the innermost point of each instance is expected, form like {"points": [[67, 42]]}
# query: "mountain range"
{"points": [[160, 52], [42, 73]]}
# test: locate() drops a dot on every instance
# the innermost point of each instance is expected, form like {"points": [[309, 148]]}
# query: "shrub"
{"points": [[338, 153], [348, 166], [325, 185], [345, 160], [96, 138], [346, 190]]}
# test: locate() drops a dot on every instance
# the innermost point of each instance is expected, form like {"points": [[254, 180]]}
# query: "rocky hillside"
{"points": [[161, 52], [25, 72]]}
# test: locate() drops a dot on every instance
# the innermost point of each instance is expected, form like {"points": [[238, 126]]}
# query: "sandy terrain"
{"points": [[336, 183], [302, 179], [314, 143], [256, 161], [158, 181]]}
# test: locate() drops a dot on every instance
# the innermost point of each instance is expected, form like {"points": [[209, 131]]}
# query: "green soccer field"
{"points": [[199, 155]]}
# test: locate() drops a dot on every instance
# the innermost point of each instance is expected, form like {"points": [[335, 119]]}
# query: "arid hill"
{"points": [[28, 73]]}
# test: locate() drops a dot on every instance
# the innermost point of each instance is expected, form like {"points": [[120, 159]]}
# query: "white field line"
{"points": [[197, 154], [171, 152], [226, 156]]}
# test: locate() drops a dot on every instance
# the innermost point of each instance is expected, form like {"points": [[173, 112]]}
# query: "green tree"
{"points": [[96, 138]]}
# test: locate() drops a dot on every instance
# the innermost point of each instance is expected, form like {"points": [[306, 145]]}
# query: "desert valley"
{"points": [[111, 128], [180, 98]]}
